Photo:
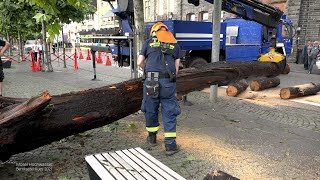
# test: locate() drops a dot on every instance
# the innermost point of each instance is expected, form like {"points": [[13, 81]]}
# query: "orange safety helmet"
{"points": [[162, 33]]}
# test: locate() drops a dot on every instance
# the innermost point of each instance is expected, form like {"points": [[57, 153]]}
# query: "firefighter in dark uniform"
{"points": [[160, 58]]}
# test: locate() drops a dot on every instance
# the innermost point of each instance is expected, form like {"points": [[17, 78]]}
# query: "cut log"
{"points": [[286, 69], [236, 88], [219, 175], [264, 83], [76, 112], [299, 91]]}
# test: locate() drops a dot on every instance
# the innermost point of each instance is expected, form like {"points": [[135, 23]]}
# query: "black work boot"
{"points": [[152, 138], [171, 148]]}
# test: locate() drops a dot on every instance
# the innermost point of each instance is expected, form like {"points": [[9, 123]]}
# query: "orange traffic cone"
{"points": [[89, 55], [75, 53], [108, 62], [80, 56], [99, 61], [75, 65], [33, 64]]}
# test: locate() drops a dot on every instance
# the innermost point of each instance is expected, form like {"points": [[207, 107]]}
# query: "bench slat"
{"points": [[121, 169], [152, 165], [164, 167], [100, 170], [109, 167], [129, 164], [132, 171], [143, 165], [134, 165]]}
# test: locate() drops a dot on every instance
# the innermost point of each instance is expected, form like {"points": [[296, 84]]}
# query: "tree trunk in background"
{"points": [[21, 46], [9, 41], [46, 60], [63, 49], [138, 31]]}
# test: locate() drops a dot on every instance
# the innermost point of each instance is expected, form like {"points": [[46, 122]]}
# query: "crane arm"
{"points": [[253, 10]]}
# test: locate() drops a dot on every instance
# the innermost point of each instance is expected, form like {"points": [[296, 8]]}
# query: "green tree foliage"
{"points": [[17, 16], [55, 12]]}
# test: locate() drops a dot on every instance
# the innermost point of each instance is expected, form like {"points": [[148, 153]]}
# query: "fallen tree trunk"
{"points": [[76, 112], [299, 91], [264, 83], [27, 107], [236, 88], [286, 69]]}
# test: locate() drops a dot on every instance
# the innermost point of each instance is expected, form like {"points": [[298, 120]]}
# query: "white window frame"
{"points": [[161, 6], [190, 15], [171, 6]]}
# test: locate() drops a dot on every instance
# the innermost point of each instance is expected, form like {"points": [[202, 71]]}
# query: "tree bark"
{"points": [[264, 83], [9, 41], [299, 91], [63, 48], [21, 46], [46, 60], [234, 89], [76, 112], [286, 69], [138, 31]]}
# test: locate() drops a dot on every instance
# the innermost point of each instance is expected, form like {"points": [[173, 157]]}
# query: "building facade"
{"points": [[305, 14], [100, 21], [157, 10]]}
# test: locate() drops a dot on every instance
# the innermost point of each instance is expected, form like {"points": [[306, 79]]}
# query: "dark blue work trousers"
{"points": [[169, 107]]}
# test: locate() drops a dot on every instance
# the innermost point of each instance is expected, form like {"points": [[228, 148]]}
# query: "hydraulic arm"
{"points": [[252, 10]]}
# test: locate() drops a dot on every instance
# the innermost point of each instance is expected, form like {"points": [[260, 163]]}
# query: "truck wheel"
{"points": [[222, 57], [198, 62]]}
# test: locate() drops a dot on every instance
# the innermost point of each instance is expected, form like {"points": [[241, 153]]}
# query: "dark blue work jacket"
{"points": [[153, 57]]}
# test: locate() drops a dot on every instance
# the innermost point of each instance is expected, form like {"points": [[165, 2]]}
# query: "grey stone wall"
{"points": [[181, 9], [306, 15]]}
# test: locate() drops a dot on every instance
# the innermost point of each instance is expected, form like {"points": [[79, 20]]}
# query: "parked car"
{"points": [[28, 45]]}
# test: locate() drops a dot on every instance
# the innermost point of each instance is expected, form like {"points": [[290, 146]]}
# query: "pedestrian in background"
{"points": [[306, 52], [54, 45], [314, 54], [160, 58], [5, 45], [35, 49]]}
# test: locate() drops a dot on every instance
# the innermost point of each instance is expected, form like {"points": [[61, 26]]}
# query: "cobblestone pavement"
{"points": [[247, 138]]}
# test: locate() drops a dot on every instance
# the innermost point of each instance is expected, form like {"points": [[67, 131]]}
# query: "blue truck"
{"points": [[241, 39]]}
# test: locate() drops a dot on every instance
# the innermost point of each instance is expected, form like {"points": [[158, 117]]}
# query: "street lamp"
{"points": [[297, 42]]}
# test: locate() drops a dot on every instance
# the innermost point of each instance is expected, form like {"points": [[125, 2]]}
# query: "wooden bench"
{"points": [[129, 164]]}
